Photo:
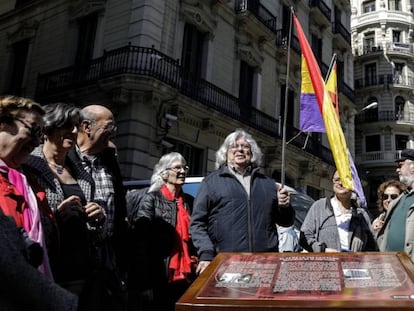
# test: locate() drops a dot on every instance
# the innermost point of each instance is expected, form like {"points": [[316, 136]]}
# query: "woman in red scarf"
{"points": [[163, 254]]}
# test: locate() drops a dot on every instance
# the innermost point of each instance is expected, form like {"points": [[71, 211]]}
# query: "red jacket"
{"points": [[11, 201]]}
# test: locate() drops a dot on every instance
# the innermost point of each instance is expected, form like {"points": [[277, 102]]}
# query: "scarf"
{"points": [[180, 261], [31, 217]]}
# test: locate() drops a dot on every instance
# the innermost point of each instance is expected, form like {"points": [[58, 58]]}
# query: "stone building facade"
{"points": [[382, 42], [181, 75]]}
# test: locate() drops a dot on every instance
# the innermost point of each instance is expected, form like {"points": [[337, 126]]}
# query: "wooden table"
{"points": [[303, 281]]}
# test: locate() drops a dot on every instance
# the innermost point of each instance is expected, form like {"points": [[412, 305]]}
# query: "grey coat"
{"points": [[320, 227]]}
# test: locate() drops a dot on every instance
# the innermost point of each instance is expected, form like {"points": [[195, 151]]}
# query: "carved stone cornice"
{"points": [[81, 8], [25, 30], [248, 53], [198, 16]]}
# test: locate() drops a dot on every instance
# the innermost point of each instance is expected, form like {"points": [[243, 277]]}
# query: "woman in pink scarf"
{"points": [[163, 253], [21, 130]]}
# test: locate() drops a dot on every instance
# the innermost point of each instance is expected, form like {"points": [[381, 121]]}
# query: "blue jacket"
{"points": [[225, 220]]}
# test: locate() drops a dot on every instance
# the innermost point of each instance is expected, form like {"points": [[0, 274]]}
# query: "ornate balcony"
{"points": [[152, 64]]}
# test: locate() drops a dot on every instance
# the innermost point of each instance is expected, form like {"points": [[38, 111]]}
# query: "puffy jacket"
{"points": [[224, 219]]}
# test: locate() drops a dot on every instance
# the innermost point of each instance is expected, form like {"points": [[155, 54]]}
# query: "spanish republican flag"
{"points": [[315, 88]]}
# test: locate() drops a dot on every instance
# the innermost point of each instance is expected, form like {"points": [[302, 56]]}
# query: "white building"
{"points": [[382, 42]]}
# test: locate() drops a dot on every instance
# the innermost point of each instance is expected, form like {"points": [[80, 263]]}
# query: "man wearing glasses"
{"points": [[237, 207], [98, 156], [397, 233]]}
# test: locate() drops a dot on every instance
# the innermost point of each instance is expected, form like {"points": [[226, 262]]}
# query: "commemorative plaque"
{"points": [[303, 281]]}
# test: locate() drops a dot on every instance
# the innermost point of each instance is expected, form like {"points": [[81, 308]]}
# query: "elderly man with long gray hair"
{"points": [[237, 207]]}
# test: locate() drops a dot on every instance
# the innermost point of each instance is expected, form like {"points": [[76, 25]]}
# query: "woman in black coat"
{"points": [[163, 254]]}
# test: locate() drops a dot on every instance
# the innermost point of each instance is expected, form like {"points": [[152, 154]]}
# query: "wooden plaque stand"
{"points": [[303, 281]]}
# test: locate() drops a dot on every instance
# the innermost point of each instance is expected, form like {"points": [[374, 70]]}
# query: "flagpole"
{"points": [[282, 173], [333, 60]]}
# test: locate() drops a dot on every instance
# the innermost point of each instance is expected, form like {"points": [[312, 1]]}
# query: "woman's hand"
{"points": [[71, 206], [377, 224]]}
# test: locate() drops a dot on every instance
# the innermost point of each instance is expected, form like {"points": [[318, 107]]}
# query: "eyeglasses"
{"points": [[108, 128], [178, 168], [245, 147], [35, 130], [392, 196]]}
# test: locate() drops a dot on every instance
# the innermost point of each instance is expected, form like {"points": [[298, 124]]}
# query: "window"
{"points": [[290, 112], [86, 39], [398, 72], [246, 89], [192, 57], [317, 48], [369, 41], [396, 36], [19, 57], [368, 6], [370, 74], [401, 142], [372, 143], [194, 157], [399, 107], [394, 5]]}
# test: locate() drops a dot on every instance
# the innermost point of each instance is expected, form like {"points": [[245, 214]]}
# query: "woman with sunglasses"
{"points": [[162, 251], [387, 191]]}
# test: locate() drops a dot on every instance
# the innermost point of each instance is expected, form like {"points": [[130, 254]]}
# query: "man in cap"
{"points": [[397, 233]]}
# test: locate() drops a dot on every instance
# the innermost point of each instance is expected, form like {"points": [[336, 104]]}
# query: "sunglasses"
{"points": [[392, 196], [35, 130]]}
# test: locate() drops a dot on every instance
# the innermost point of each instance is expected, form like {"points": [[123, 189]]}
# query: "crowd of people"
{"points": [[66, 232]]}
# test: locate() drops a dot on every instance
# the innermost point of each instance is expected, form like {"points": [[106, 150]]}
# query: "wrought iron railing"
{"points": [[322, 6], [259, 11], [370, 116], [282, 40], [396, 79], [338, 28], [143, 61]]}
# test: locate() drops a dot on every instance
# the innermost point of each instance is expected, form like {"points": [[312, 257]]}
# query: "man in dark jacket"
{"points": [[237, 208], [98, 156]]}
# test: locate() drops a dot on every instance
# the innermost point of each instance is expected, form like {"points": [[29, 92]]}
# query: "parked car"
{"points": [[301, 202]]}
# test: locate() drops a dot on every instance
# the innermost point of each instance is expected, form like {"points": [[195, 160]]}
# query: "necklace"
{"points": [[59, 168]]}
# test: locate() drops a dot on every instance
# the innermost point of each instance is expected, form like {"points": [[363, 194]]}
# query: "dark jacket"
{"points": [[109, 159], [77, 252], [152, 237], [224, 219], [22, 287], [320, 227]]}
